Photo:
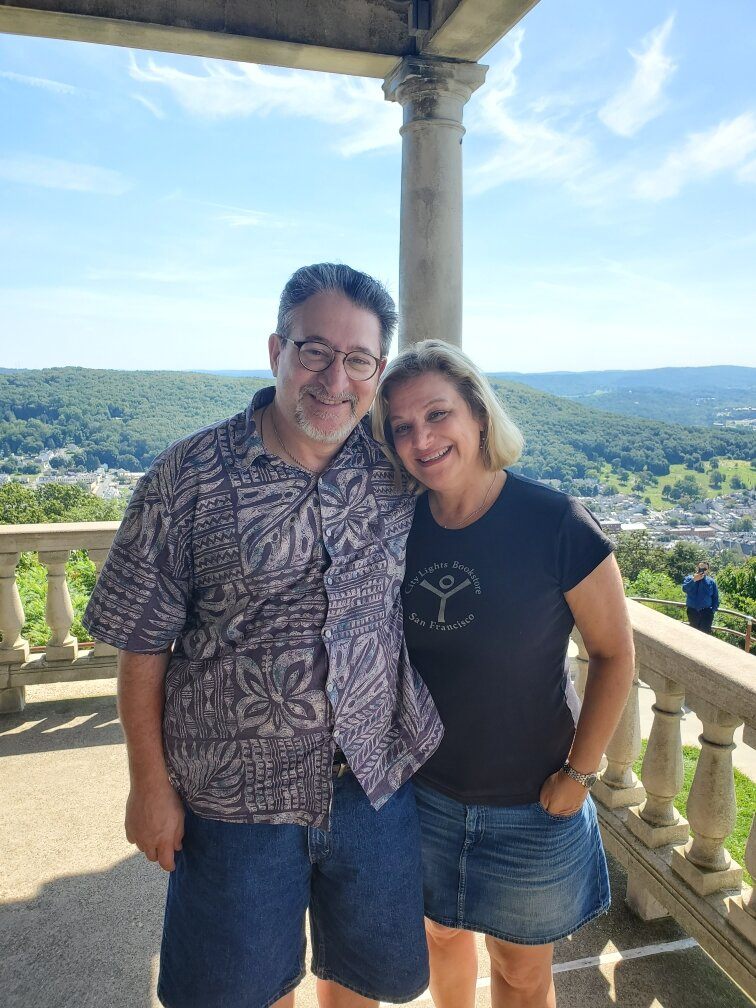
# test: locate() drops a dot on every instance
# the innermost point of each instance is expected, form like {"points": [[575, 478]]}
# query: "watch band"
{"points": [[586, 779]]}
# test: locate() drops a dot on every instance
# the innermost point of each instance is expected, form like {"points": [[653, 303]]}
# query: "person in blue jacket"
{"points": [[701, 597]]}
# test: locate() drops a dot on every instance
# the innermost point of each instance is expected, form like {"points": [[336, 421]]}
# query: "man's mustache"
{"points": [[320, 393]]}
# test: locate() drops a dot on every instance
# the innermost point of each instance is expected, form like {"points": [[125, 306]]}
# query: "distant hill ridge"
{"points": [[699, 396], [125, 418]]}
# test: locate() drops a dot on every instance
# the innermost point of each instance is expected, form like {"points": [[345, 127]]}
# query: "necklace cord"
{"points": [[280, 440], [472, 514]]}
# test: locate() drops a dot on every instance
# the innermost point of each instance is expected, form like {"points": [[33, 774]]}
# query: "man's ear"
{"points": [[274, 352]]}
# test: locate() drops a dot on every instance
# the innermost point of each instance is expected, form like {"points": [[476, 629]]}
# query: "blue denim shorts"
{"points": [[515, 872], [234, 933]]}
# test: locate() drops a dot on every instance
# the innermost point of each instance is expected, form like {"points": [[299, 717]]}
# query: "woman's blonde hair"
{"points": [[502, 442]]}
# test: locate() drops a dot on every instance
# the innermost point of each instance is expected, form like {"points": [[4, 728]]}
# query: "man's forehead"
{"points": [[335, 319]]}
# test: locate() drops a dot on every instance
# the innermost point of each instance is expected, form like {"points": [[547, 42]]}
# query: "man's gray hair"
{"points": [[361, 289]]}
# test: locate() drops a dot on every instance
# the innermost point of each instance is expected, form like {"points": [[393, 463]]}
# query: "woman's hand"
{"points": [[561, 795]]}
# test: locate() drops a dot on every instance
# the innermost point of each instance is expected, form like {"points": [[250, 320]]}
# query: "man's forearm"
{"points": [[141, 698]]}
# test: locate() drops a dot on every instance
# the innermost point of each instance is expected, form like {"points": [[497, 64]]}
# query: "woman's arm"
{"points": [[600, 611]]}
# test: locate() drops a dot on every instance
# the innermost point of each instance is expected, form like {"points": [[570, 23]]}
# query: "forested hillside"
{"points": [[124, 418], [116, 418], [694, 395]]}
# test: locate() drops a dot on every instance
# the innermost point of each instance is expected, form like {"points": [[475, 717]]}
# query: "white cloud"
{"points": [[57, 87], [149, 105], [747, 173], [642, 99], [529, 146], [725, 147], [239, 90], [53, 173], [236, 216]]}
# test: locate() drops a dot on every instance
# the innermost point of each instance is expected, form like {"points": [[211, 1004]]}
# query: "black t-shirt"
{"points": [[487, 628]]}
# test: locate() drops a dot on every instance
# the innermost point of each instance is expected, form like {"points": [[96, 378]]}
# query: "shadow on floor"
{"points": [[85, 941], [67, 724]]}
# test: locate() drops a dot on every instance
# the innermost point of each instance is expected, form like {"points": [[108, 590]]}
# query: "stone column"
{"points": [[618, 787], [657, 822], [62, 645], [433, 93], [703, 862], [98, 558], [14, 649]]}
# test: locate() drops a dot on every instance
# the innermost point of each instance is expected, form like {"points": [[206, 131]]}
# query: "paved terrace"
{"points": [[80, 911]]}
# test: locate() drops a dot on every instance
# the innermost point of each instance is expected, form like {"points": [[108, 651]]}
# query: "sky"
{"points": [[152, 206]]}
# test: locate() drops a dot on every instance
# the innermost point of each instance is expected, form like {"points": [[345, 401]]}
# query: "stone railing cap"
{"points": [[708, 668]]}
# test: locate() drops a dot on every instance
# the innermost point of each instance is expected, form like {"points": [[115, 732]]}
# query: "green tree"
{"points": [[740, 580], [18, 504], [716, 479], [659, 585], [682, 560], [636, 551]]}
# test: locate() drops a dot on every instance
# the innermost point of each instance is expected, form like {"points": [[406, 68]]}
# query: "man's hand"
{"points": [[561, 795], [698, 575], [155, 822]]}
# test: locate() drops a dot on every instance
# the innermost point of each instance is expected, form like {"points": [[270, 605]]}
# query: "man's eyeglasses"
{"points": [[315, 356]]}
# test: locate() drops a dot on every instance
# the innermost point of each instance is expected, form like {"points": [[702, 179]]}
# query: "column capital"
{"points": [[417, 76]]}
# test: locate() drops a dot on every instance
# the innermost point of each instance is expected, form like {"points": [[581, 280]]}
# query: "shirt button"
{"points": [[329, 580], [327, 633]]}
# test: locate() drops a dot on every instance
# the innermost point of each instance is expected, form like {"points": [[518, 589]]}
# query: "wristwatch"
{"points": [[586, 779]]}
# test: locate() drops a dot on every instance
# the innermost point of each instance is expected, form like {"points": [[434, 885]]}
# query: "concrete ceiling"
{"points": [[362, 37]]}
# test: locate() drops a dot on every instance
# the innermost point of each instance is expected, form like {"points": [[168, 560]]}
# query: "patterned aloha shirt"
{"points": [[280, 593]]}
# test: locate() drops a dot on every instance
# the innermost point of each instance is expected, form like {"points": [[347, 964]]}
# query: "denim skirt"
{"points": [[515, 872]]}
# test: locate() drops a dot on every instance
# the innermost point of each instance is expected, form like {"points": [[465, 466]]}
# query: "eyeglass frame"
{"points": [[300, 343]]}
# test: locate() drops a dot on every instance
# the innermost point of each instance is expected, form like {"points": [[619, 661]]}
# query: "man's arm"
{"points": [[715, 596], [600, 611], [154, 813]]}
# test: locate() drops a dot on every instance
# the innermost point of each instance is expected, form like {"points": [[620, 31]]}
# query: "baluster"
{"points": [[703, 862], [579, 666], [579, 663], [13, 648], [657, 822], [742, 909], [618, 787], [59, 611], [100, 649]]}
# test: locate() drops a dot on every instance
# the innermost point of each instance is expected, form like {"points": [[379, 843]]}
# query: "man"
{"points": [[701, 597], [272, 719]]}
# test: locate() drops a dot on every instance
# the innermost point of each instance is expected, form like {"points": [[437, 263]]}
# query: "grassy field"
{"points": [[728, 468], [745, 795]]}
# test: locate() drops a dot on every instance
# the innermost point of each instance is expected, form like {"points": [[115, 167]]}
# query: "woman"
{"points": [[499, 568]]}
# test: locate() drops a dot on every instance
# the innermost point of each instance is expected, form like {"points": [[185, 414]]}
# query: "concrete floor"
{"points": [[80, 912]]}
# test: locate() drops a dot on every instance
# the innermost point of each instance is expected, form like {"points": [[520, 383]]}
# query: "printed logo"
{"points": [[441, 583], [445, 590]]}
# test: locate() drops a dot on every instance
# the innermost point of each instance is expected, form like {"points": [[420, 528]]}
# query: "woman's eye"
{"points": [[437, 415], [401, 430]]}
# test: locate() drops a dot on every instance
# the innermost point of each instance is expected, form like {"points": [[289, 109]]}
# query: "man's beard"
{"points": [[315, 433]]}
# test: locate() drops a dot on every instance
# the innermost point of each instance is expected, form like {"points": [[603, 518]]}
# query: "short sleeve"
{"points": [[581, 545], [140, 601]]}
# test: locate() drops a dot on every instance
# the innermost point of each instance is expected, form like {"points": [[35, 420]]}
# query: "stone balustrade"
{"points": [[62, 659], [675, 866]]}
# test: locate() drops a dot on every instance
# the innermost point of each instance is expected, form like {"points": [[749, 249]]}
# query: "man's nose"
{"points": [[334, 377]]}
